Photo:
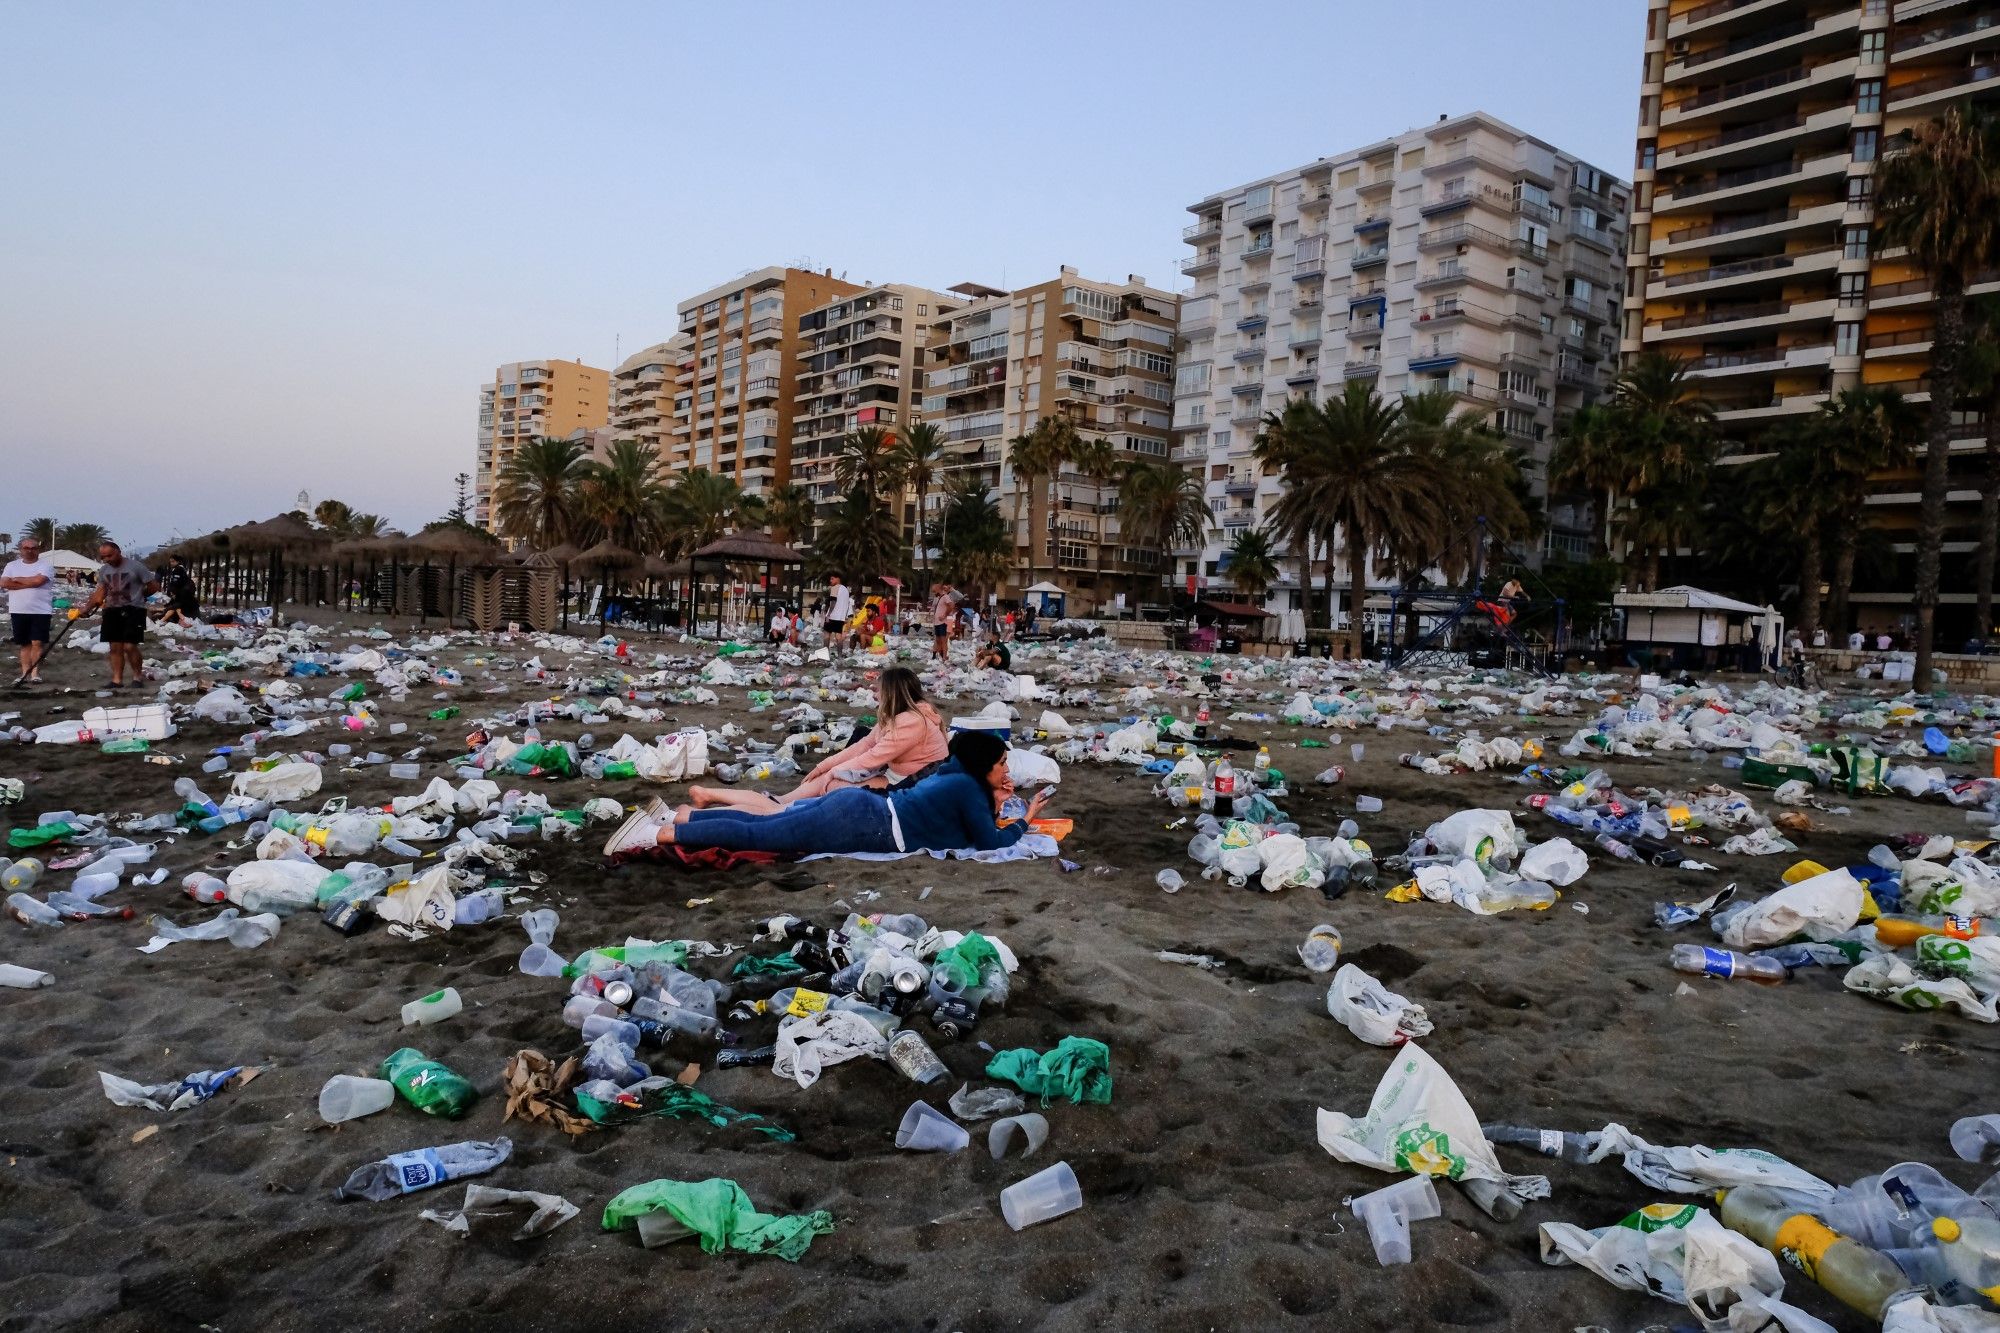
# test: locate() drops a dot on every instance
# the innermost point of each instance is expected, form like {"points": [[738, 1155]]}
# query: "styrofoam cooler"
{"points": [[147, 721]]}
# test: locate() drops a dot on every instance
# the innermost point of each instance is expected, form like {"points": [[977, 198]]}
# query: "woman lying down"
{"points": [[955, 808]]}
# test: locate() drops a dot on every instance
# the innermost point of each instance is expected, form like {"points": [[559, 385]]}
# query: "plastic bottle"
{"points": [[22, 875], [433, 1008], [345, 1097], [1699, 960], [1970, 1247], [1567, 1146], [1858, 1277], [1321, 951], [1222, 778], [32, 911], [1262, 763], [1623, 851], [408, 1172], [23, 978], [427, 1085]]}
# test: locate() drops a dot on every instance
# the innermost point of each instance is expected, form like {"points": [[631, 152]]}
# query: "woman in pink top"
{"points": [[908, 738]]}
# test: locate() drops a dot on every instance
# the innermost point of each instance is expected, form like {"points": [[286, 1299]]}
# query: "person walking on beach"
{"points": [[122, 587], [839, 606], [30, 584]]}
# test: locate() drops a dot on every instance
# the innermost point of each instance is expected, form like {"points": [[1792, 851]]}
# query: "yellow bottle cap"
{"points": [[1945, 1229]]}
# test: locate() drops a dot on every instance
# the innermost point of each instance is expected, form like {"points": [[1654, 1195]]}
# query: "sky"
{"points": [[251, 250]]}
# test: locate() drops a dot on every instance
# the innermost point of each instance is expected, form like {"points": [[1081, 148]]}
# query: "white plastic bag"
{"points": [[1289, 864], [1481, 835], [810, 1044], [1418, 1121], [1677, 1252], [425, 903], [1887, 977], [287, 782], [1373, 1012], [1702, 1170], [1819, 908], [1558, 861], [1029, 769]]}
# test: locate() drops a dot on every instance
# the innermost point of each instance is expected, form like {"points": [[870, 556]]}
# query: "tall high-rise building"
{"points": [[525, 401], [1464, 256], [1754, 250], [1100, 354], [859, 359], [643, 390], [734, 411]]}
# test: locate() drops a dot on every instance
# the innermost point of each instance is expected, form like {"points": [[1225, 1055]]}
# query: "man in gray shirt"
{"points": [[122, 586]]}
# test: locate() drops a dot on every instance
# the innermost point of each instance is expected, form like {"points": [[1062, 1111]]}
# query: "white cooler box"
{"points": [[147, 721]]}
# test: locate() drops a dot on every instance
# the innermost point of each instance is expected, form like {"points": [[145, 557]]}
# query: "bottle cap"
{"points": [[1945, 1229]]}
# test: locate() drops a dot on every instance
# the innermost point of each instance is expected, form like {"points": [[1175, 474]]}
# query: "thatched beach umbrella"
{"points": [[744, 547], [608, 555]]}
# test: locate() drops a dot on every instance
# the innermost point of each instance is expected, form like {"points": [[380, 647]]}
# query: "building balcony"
{"points": [[1773, 182], [1256, 319], [1899, 343], [1308, 336], [1367, 368], [1422, 363], [1786, 85], [1247, 413], [1743, 273], [1304, 375], [1374, 222], [1444, 275], [1247, 389], [1369, 258], [1463, 233], [1256, 212], [762, 390], [1739, 319], [1759, 361], [1251, 351], [1942, 37], [1977, 81], [1748, 232], [1722, 15], [1206, 229], [1205, 262], [1448, 202], [1766, 42], [1917, 291], [1240, 484], [1260, 249], [1450, 310], [1363, 293], [1747, 143], [771, 328], [1364, 328]]}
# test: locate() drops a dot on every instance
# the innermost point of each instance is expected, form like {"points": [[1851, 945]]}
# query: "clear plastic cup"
{"points": [[1368, 805], [1048, 1193], [1358, 750], [346, 1097], [406, 772], [927, 1129], [661, 1228], [1388, 1212], [1030, 1129]]}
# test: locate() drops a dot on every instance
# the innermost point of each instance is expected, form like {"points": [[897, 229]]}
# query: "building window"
{"points": [[1860, 190], [1873, 48], [1854, 243], [1865, 144], [1649, 154], [1847, 340], [1853, 288], [1868, 93]]}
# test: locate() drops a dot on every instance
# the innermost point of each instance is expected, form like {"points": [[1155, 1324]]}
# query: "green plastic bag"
{"points": [[39, 836], [676, 1102], [1858, 770], [1760, 773], [720, 1214], [1079, 1068], [965, 961], [777, 965]]}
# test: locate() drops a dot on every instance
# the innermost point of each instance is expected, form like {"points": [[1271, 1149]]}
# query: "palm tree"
{"points": [[1667, 423], [701, 507], [1798, 503], [975, 548], [1939, 197], [790, 510], [1861, 432], [1028, 458], [1480, 478], [1252, 566], [1161, 506], [334, 516], [860, 539], [866, 460], [79, 537], [1590, 456], [917, 457], [622, 495], [536, 499], [40, 530], [1347, 471]]}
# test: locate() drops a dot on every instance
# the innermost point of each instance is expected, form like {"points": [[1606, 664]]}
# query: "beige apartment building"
{"points": [[1100, 354], [643, 390], [859, 359], [734, 408], [1754, 252], [525, 401]]}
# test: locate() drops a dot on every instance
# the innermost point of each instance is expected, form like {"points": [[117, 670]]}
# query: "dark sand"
{"points": [[1209, 1204]]}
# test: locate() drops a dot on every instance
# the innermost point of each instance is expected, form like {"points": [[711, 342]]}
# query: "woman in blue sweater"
{"points": [[954, 808]]}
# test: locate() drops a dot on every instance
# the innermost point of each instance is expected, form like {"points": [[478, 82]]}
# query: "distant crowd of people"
{"points": [[953, 618]]}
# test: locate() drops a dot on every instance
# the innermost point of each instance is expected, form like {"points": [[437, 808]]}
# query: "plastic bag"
{"points": [[1558, 861], [1481, 835], [1677, 1252], [1288, 864], [1887, 977], [1819, 908], [1029, 769], [425, 903], [809, 1045], [1702, 1170], [1373, 1012], [287, 782], [1418, 1121]]}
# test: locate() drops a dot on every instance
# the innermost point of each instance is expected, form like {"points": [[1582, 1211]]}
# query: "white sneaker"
{"points": [[640, 829]]}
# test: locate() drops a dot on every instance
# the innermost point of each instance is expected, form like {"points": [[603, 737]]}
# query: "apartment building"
{"points": [[859, 361], [643, 390], [1465, 256], [1754, 253], [527, 400], [734, 408], [1098, 353]]}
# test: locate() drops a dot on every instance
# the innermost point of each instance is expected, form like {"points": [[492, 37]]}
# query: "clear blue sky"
{"points": [[253, 249]]}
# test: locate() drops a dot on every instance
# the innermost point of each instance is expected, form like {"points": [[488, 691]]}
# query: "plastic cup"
{"points": [[346, 1097], [406, 772], [1976, 1138], [1368, 805], [926, 1129], [1357, 750], [1388, 1213], [1048, 1193], [661, 1228], [1030, 1129]]}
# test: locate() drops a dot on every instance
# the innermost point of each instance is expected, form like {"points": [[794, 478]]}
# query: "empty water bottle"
{"points": [[407, 1172], [1570, 1147]]}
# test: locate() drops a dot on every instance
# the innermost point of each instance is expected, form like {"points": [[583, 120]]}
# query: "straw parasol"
{"points": [[278, 533], [611, 555], [455, 541]]}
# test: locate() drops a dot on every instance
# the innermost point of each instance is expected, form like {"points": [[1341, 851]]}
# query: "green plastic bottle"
{"points": [[427, 1085], [624, 768], [350, 693], [125, 745], [443, 714]]}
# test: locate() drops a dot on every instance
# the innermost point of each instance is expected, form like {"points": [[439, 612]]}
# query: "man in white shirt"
{"points": [[1856, 641], [31, 593], [839, 606]]}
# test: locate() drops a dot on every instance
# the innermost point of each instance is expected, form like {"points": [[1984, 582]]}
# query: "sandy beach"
{"points": [[1208, 1203]]}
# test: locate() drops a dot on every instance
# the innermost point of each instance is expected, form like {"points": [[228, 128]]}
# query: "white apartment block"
{"points": [[643, 390], [1464, 255]]}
